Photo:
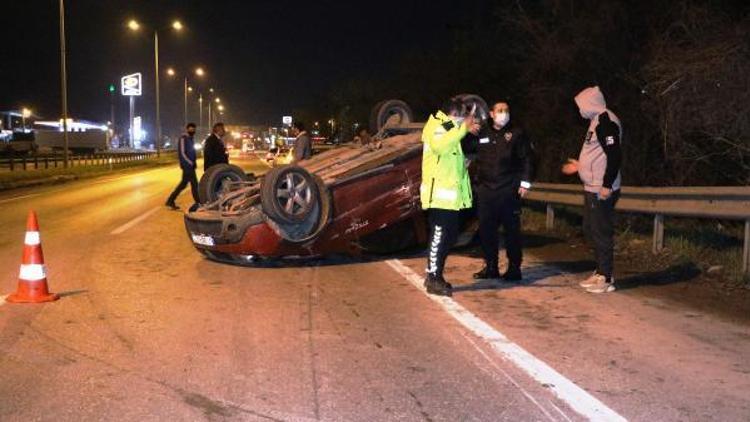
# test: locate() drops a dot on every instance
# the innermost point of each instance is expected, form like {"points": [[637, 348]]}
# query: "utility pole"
{"points": [[64, 84], [158, 115], [185, 112]]}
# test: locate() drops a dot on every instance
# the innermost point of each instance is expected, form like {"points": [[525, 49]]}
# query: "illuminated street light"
{"points": [[199, 71], [177, 25], [218, 100], [26, 113], [190, 89], [211, 90], [134, 25], [170, 72], [221, 107]]}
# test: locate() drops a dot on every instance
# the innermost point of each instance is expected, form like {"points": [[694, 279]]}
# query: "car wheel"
{"points": [[390, 113], [217, 179], [482, 112], [289, 194]]}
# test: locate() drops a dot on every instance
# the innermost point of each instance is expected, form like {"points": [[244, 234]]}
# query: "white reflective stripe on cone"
{"points": [[32, 238], [33, 272]]}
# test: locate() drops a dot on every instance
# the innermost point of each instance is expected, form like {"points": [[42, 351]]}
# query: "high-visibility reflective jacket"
{"points": [[445, 178]]}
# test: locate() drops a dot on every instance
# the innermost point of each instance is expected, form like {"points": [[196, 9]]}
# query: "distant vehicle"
{"points": [[16, 135], [83, 137], [347, 200]]}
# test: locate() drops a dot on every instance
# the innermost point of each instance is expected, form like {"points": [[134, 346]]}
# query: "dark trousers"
{"points": [[188, 176], [444, 227], [599, 228], [495, 209]]}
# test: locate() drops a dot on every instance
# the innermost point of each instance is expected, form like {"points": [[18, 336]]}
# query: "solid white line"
{"points": [[19, 197], [135, 221], [576, 397]]}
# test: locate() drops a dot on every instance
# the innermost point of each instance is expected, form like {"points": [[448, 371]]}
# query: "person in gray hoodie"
{"points": [[598, 167]]}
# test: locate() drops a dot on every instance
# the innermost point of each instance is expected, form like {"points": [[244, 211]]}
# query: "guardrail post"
{"points": [[746, 250], [550, 223], [658, 233]]}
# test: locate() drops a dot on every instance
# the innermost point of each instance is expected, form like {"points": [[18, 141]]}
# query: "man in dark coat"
{"points": [[303, 143], [214, 151]]}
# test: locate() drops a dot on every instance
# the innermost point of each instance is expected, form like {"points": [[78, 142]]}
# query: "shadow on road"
{"points": [[675, 274]]}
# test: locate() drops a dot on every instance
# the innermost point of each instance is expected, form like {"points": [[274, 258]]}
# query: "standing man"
{"points": [[186, 153], [303, 143], [503, 177], [446, 188], [598, 167], [215, 152]]}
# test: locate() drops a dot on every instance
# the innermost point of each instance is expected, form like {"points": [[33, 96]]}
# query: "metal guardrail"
{"points": [[728, 203], [34, 162]]}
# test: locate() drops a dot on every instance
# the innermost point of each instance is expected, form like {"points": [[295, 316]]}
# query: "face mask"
{"points": [[502, 119]]}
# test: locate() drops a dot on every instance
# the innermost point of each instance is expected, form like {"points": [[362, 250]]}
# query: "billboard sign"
{"points": [[131, 85]]}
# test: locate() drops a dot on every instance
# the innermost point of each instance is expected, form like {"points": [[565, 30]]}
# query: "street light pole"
{"points": [[200, 110], [64, 84], [158, 115], [185, 112]]}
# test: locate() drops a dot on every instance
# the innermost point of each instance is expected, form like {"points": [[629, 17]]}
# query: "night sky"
{"points": [[264, 58]]}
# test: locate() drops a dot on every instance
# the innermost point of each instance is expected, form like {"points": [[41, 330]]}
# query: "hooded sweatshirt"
{"points": [[601, 155]]}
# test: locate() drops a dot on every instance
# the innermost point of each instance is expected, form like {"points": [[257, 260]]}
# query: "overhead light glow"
{"points": [[134, 25], [170, 71], [199, 71], [177, 25]]}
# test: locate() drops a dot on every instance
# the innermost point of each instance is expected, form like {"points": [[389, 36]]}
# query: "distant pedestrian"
{"points": [[598, 167], [446, 188], [186, 154], [214, 151], [303, 143], [504, 167]]}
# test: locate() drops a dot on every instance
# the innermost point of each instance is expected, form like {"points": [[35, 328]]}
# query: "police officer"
{"points": [[445, 188], [186, 153], [503, 176]]}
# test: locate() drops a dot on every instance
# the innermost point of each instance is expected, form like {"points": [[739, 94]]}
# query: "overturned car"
{"points": [[348, 200]]}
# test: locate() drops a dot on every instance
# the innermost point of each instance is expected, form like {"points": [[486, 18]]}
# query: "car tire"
{"points": [[277, 186], [211, 185], [482, 111], [390, 112]]}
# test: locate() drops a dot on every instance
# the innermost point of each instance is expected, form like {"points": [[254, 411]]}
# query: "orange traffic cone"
{"points": [[32, 279]]}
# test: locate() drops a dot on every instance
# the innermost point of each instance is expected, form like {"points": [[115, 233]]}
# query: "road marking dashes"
{"points": [[134, 221], [574, 396]]}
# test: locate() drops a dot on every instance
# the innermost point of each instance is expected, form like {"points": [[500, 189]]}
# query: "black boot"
{"points": [[513, 274], [172, 205], [489, 272], [437, 285]]}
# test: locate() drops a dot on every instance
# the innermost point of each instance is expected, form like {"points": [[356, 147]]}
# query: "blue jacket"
{"points": [[186, 152]]}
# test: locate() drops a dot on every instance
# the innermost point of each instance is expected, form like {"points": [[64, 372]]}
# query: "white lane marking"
{"points": [[15, 198], [508, 377], [135, 221], [574, 396]]}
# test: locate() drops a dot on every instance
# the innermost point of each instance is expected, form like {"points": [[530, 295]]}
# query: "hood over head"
{"points": [[591, 102]]}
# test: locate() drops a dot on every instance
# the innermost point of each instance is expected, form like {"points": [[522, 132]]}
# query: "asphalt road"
{"points": [[147, 329]]}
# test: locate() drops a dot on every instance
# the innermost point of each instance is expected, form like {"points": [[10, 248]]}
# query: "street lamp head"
{"points": [[221, 107], [218, 100], [190, 89], [133, 25], [199, 71], [177, 25], [211, 90], [26, 113], [170, 71]]}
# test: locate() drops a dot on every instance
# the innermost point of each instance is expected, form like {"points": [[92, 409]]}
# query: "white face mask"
{"points": [[502, 119]]}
